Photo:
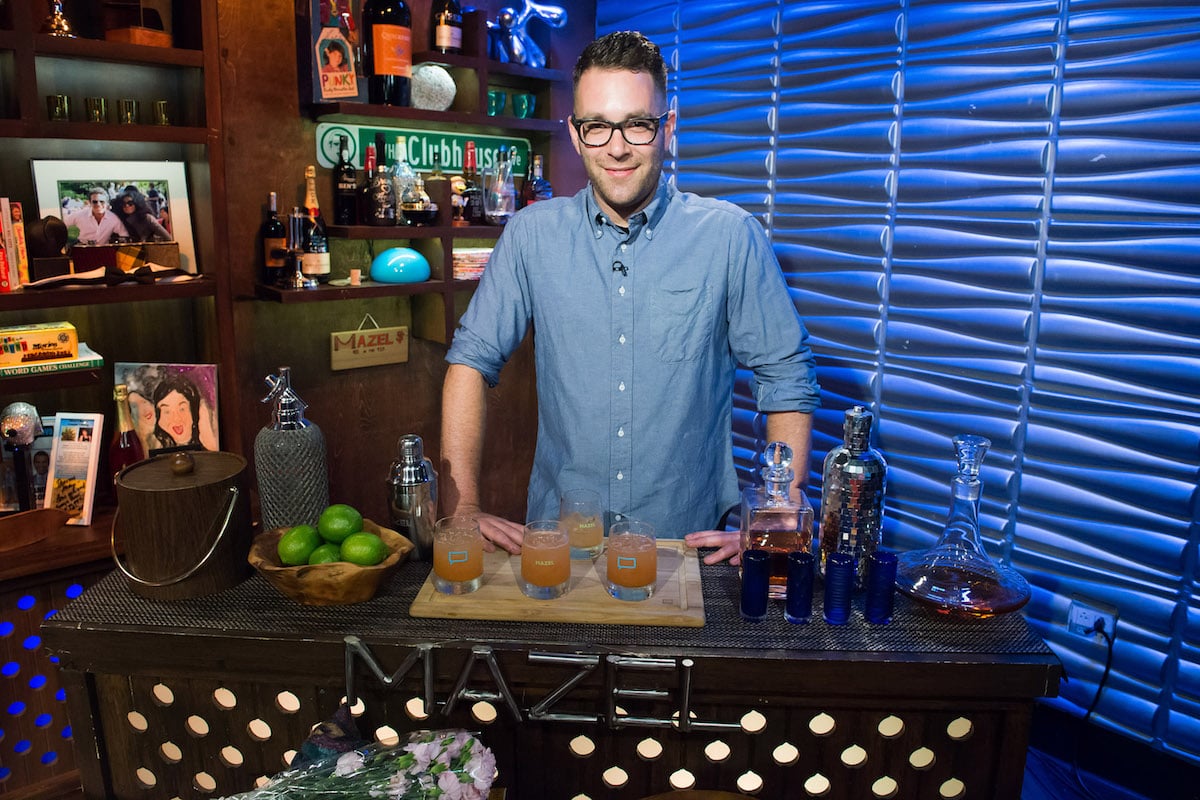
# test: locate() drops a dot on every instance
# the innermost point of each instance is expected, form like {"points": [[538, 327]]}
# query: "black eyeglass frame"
{"points": [[618, 126]]}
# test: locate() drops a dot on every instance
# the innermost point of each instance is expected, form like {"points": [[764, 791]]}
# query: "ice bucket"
{"points": [[184, 521]]}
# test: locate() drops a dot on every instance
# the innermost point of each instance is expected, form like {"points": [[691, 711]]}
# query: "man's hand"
{"points": [[726, 543], [499, 531]]}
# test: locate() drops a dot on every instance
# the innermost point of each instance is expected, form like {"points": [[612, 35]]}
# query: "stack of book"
{"points": [[44, 347], [469, 262], [14, 259]]}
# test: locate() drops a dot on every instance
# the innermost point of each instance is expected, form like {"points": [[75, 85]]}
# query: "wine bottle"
{"points": [[274, 244], [445, 20], [387, 51], [125, 449], [471, 201], [381, 197], [315, 261], [364, 191], [345, 186]]}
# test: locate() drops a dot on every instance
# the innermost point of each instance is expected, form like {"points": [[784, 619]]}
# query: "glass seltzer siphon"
{"points": [[776, 517], [852, 489], [289, 459]]}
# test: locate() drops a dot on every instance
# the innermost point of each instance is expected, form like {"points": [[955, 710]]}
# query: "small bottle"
{"points": [[345, 186], [364, 191], [387, 51], [402, 172], [412, 495], [437, 185], [289, 460], [445, 20], [315, 262], [852, 489], [274, 243], [416, 206], [536, 187], [776, 517], [125, 449]]}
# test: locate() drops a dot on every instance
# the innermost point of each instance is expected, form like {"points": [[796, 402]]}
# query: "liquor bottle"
{"points": [[437, 185], [536, 187], [415, 206], [445, 20], [345, 187], [776, 516], [471, 202], [956, 576], [364, 191], [125, 449], [387, 51], [289, 460], [852, 488], [274, 243], [402, 172], [315, 263], [381, 196]]}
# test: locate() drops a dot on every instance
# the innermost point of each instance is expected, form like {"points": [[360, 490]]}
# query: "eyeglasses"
{"points": [[99, 202], [128, 203], [637, 131]]}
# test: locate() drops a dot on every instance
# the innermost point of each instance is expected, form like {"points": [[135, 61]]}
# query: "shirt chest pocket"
{"points": [[681, 322]]}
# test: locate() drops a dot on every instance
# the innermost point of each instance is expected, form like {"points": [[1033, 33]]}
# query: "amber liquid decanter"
{"points": [[956, 576]]}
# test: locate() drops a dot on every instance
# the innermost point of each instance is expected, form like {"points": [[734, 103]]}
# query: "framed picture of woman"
{"points": [[174, 406]]}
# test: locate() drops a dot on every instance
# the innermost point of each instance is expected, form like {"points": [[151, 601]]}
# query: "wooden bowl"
{"points": [[338, 583]]}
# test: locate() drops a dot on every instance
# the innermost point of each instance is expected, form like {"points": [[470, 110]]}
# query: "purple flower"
{"points": [[449, 783], [348, 764], [482, 766], [425, 753]]}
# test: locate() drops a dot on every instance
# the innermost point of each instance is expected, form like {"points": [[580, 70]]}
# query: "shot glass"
{"points": [[523, 104], [96, 108], [496, 101], [127, 111], [756, 574], [580, 514], [161, 117], [457, 555], [58, 107], [545, 560], [632, 560]]}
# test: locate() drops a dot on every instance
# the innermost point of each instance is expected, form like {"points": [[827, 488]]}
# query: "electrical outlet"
{"points": [[1083, 614]]}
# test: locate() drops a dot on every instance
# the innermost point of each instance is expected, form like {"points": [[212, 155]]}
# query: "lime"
{"points": [[297, 545], [364, 548], [325, 554], [339, 521]]}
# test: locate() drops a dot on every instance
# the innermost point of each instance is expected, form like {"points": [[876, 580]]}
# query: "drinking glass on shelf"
{"points": [[545, 560], [632, 560], [580, 514], [457, 555]]}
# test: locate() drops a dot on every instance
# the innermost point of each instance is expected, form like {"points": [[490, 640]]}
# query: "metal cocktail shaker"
{"points": [[412, 495]]}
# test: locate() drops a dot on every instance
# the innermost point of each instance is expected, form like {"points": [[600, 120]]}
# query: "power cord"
{"points": [[1097, 627]]}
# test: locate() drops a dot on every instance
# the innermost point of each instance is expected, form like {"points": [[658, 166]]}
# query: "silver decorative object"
{"points": [[513, 40], [56, 23]]}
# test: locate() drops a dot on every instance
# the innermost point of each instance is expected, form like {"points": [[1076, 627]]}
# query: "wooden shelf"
{"points": [[350, 112], [325, 292], [70, 546], [172, 134], [415, 231], [26, 299], [505, 68], [117, 52], [45, 381]]}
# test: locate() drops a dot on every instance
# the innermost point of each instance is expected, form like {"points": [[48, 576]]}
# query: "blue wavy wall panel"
{"points": [[987, 214]]}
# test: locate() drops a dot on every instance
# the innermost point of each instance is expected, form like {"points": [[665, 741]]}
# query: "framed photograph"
{"points": [[74, 460], [148, 200], [174, 406], [37, 470]]}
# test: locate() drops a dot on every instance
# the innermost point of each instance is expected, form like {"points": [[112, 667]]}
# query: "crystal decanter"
{"points": [[956, 576]]}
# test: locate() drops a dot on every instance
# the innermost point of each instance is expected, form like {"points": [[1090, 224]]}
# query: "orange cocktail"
{"points": [[545, 560], [457, 555], [632, 560], [580, 514]]}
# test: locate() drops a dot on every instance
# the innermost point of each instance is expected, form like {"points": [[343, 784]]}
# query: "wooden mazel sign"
{"points": [[368, 347]]}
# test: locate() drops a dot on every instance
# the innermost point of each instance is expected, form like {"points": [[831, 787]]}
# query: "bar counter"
{"points": [[199, 698]]}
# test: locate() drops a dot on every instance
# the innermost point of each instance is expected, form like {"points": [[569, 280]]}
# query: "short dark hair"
{"points": [[624, 50]]}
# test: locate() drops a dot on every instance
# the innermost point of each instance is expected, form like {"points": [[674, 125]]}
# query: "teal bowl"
{"points": [[400, 265]]}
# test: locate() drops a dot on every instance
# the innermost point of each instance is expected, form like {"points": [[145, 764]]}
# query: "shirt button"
{"points": [[621, 386], [621, 432], [620, 476], [621, 338], [621, 291], [624, 247]]}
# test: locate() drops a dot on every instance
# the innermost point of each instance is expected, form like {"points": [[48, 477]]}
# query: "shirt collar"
{"points": [[645, 221]]}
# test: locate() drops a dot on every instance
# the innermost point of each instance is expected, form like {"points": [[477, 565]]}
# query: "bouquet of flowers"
{"points": [[447, 764]]}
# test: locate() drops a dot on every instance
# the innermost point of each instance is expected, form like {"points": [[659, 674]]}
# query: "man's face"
{"points": [[624, 177], [99, 204]]}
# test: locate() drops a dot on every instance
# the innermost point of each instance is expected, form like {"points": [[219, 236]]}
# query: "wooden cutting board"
{"points": [[677, 598]]}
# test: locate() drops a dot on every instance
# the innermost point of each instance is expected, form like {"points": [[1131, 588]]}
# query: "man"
{"points": [[642, 301], [97, 223]]}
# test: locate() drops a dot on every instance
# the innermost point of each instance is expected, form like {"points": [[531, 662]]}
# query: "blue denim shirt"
{"points": [[637, 335]]}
